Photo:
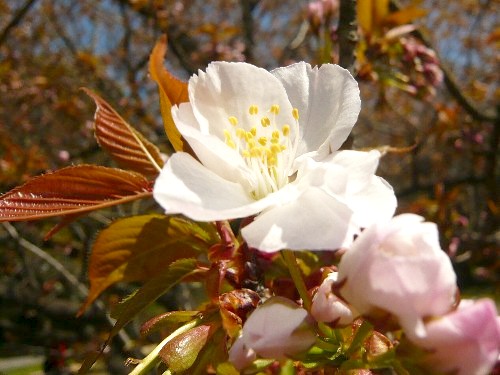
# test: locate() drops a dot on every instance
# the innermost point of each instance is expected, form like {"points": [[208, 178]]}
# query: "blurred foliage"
{"points": [[428, 77]]}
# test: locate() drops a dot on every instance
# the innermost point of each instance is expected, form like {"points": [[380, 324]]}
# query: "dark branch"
{"points": [[16, 20], [176, 38], [246, 10], [459, 96], [347, 33]]}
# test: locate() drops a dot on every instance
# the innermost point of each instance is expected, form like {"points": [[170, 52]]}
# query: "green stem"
{"points": [[152, 358], [363, 331], [296, 275]]}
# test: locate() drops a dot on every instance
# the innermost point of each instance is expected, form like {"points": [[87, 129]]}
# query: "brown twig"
{"points": [[246, 12], [347, 33], [16, 19], [174, 43]]}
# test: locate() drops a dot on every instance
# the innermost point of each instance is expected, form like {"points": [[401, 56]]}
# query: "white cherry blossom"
{"points": [[266, 144]]}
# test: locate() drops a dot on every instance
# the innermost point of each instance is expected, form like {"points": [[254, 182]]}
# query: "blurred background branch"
{"points": [[348, 34], [16, 19]]}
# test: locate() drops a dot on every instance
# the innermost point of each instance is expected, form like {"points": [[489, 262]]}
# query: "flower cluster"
{"points": [[397, 269], [266, 149], [423, 66], [414, 68]]}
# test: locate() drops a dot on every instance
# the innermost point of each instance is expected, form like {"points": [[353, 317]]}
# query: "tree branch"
{"points": [[16, 20], [68, 276], [174, 45], [246, 10], [450, 81], [348, 35]]}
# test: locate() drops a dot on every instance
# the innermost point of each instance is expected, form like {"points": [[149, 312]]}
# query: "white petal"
{"points": [[185, 186], [278, 328], [229, 89], [241, 356], [372, 204], [328, 102], [370, 197], [360, 166], [211, 150], [314, 221], [326, 175]]}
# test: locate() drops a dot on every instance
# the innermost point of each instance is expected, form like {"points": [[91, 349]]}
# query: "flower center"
{"points": [[265, 146]]}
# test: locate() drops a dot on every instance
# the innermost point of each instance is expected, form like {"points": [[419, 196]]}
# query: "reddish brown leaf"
{"points": [[235, 306], [128, 308], [172, 91], [72, 190], [138, 248], [126, 145], [132, 305]]}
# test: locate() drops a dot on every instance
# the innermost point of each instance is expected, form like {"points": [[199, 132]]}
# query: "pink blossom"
{"points": [[320, 11], [277, 329], [63, 155], [315, 13], [465, 341], [398, 267], [327, 307]]}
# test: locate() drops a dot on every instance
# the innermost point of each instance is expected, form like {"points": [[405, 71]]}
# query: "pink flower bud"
{"points": [[399, 267], [330, 7], [327, 307], [465, 341], [277, 329], [63, 155], [315, 14]]}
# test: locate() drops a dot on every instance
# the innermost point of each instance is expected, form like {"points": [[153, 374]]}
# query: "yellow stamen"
{"points": [[276, 149], [286, 130], [240, 133], [275, 108], [255, 152], [233, 120], [295, 113], [265, 122], [276, 134], [253, 109], [263, 141], [253, 130]]}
